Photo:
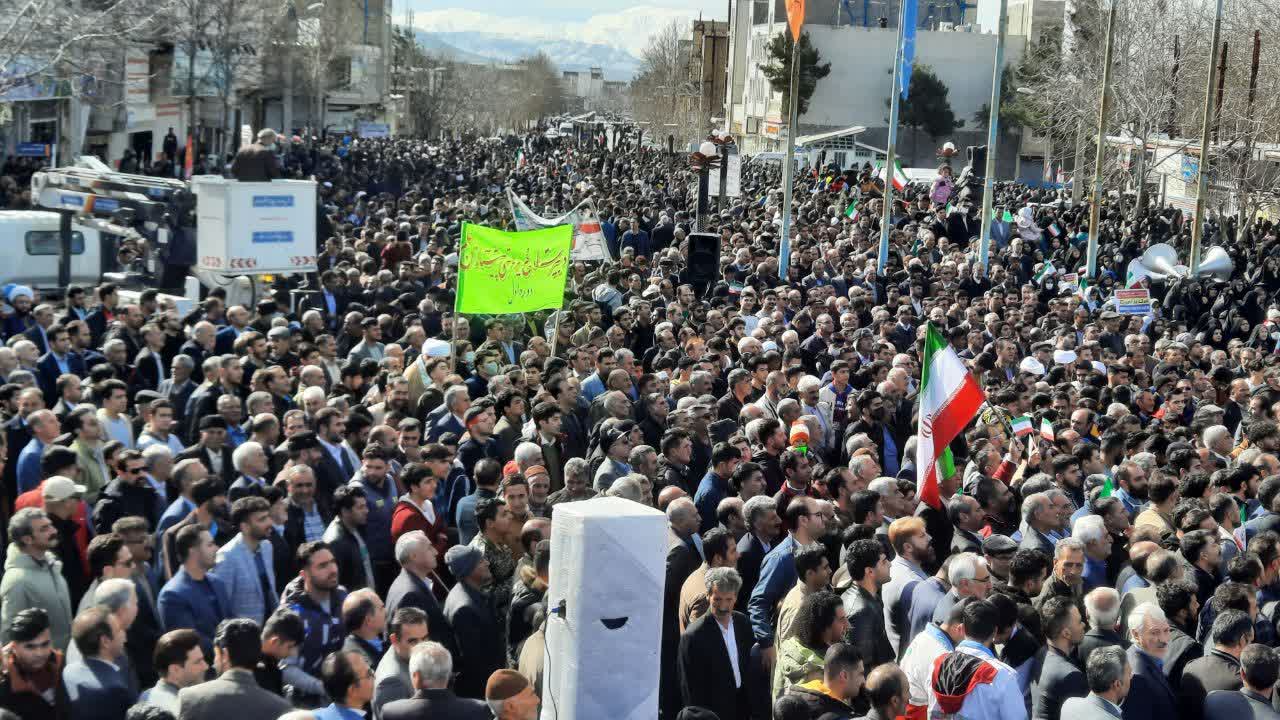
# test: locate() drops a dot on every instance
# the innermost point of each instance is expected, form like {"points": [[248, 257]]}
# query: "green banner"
{"points": [[512, 272]]}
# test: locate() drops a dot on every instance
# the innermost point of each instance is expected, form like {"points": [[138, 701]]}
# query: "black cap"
{"points": [[212, 422]]}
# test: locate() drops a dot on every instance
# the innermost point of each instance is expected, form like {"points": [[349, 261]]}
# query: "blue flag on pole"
{"points": [[848, 11], [908, 45]]}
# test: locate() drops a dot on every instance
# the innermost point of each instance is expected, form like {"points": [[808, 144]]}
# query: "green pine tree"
{"points": [[778, 71]]}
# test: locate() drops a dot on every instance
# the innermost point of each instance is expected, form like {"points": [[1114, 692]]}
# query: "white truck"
{"points": [[120, 225]]}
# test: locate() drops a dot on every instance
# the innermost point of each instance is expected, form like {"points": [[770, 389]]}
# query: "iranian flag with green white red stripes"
{"points": [[949, 399]]}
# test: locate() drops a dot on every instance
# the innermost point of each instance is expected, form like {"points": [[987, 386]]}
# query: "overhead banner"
{"points": [[588, 238], [512, 272]]}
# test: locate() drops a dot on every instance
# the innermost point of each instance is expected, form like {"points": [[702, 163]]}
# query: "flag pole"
{"points": [[1091, 262], [993, 125], [1202, 178], [788, 173], [890, 162]]}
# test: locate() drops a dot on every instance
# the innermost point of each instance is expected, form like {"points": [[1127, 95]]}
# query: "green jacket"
{"points": [[796, 664], [92, 473], [29, 583]]}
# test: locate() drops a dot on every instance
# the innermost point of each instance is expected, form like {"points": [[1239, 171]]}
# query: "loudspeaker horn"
{"points": [[1216, 262], [1161, 258]]}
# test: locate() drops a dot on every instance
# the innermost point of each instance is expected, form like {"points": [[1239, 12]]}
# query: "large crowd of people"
{"points": [[338, 501]]}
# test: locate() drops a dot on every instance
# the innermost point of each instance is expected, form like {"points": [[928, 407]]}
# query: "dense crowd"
{"points": [[338, 501]]}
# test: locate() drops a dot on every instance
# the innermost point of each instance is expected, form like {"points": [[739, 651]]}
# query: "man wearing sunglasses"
{"points": [[129, 494]]}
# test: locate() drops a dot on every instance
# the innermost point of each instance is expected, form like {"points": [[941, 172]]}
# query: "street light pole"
{"points": [[1091, 262], [993, 125], [1202, 178]]}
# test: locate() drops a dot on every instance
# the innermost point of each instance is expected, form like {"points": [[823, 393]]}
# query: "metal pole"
{"points": [[993, 124], [1202, 180], [886, 221], [724, 176], [788, 173], [703, 183], [1091, 267]]}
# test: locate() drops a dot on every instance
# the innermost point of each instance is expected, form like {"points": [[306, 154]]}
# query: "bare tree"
{"points": [[663, 77], [326, 37]]}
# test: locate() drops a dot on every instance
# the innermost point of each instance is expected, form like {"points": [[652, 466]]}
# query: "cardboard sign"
{"points": [[1133, 301]]}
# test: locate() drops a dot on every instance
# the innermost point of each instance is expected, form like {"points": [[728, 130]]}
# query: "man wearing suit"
{"points": [[1102, 605], [761, 513], [58, 361], [1150, 695], [431, 669], [224, 340], [1259, 669], [715, 649], [331, 302], [39, 332], [1108, 673], [246, 564], [1060, 678], [200, 347], [1219, 669], [966, 516], [1039, 519], [456, 402], [683, 557], [211, 449], [95, 686], [150, 367], [235, 693], [416, 585]]}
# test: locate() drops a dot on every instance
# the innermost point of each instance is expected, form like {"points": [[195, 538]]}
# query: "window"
{"points": [[46, 242]]}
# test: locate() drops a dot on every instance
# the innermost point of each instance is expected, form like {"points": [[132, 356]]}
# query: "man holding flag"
{"points": [[949, 398]]}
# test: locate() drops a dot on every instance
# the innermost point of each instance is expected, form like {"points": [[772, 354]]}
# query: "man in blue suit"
{"points": [[193, 598], [58, 361], [95, 686], [1150, 696]]}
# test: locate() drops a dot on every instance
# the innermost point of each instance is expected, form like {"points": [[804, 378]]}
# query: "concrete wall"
{"points": [[855, 91]]}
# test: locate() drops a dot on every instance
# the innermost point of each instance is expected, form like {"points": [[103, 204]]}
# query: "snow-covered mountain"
{"points": [[568, 54], [613, 41]]}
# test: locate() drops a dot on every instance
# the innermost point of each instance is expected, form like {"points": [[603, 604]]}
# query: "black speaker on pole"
{"points": [[704, 261]]}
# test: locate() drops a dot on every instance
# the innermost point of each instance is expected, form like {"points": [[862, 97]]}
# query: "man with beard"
{"points": [[1131, 487], [873, 422], [913, 548]]}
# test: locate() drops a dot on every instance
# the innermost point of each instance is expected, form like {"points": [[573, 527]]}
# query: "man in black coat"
{"points": [[128, 495], [709, 676], [1060, 677], [1219, 669], [1150, 695], [416, 585], [868, 570], [476, 629], [1102, 605], [682, 560], [1260, 668], [257, 162], [211, 448], [761, 513], [431, 668]]}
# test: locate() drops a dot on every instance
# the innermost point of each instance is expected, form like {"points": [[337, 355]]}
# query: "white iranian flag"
{"points": [[949, 399]]}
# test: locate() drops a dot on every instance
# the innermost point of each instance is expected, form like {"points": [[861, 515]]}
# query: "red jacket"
{"points": [[406, 517], [34, 499]]}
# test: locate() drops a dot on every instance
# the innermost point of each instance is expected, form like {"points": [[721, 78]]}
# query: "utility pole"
{"points": [[1091, 263], [788, 173], [1202, 178], [993, 125], [890, 161]]}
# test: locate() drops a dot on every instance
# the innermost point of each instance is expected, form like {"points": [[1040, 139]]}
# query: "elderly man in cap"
{"points": [[477, 629], [615, 439], [257, 162]]}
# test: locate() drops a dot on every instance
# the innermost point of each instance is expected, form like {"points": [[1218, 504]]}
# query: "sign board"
{"points": [[246, 135], [249, 228], [1190, 169], [1070, 279], [1133, 301], [373, 130], [31, 149], [733, 183]]}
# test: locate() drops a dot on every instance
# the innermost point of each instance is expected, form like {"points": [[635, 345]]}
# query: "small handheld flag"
{"points": [[851, 212], [1107, 487], [1046, 430], [1022, 426], [1045, 271]]}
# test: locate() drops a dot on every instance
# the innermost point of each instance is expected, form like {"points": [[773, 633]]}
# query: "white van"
{"points": [[32, 237]]}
